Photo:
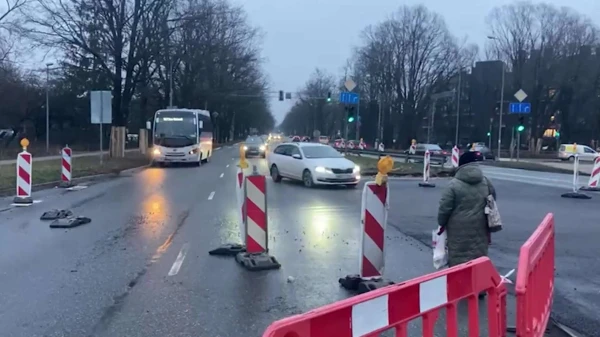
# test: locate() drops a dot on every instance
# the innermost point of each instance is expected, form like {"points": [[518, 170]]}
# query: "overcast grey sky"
{"points": [[301, 35]]}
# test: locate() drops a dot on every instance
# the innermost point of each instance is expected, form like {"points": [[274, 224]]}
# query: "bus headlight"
{"points": [[156, 152], [194, 150]]}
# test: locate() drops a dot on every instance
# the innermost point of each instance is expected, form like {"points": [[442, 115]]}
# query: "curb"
{"points": [[53, 184]]}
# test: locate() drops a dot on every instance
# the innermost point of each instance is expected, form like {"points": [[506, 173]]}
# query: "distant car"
{"points": [[434, 150], [255, 146], [568, 151], [324, 140], [485, 151], [313, 164]]}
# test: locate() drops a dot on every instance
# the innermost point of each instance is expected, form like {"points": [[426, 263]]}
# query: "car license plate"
{"points": [[344, 176]]}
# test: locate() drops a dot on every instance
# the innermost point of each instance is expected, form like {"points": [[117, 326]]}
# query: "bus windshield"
{"points": [[175, 129]]}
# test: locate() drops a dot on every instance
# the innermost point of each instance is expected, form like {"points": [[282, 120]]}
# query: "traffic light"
{"points": [[556, 134], [281, 95], [329, 96], [351, 116], [489, 134], [521, 127]]}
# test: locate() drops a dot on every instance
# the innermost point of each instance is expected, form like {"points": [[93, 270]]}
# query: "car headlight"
{"points": [[321, 169], [156, 152], [262, 147], [245, 148], [356, 169]]}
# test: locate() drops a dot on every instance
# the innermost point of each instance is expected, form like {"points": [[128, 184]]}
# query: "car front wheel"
{"points": [[275, 174], [307, 179]]}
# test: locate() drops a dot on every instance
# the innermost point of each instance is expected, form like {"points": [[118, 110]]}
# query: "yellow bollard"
{"points": [[384, 166], [243, 163]]}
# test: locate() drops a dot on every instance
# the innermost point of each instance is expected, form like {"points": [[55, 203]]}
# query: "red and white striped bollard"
{"points": [[594, 182], [371, 260], [455, 156], [66, 167], [256, 223], [24, 176], [426, 170]]}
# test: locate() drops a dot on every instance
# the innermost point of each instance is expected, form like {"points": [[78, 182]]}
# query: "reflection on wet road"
{"points": [[142, 268]]}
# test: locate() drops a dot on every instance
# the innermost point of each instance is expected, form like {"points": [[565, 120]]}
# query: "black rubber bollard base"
{"points": [[56, 214], [65, 184], [590, 189], [575, 195], [70, 222], [22, 200], [257, 261], [426, 184], [230, 249], [357, 284]]}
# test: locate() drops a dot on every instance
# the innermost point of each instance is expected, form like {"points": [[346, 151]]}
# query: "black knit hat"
{"points": [[466, 158]]}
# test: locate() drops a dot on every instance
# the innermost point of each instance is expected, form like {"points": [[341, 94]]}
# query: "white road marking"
{"points": [[227, 165], [211, 195], [217, 149], [221, 176], [179, 260]]}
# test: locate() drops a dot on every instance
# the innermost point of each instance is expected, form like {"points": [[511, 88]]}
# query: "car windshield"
{"points": [[320, 152], [254, 140]]}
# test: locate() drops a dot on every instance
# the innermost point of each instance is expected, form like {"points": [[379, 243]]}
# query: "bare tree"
{"points": [[548, 50], [111, 32], [408, 57]]}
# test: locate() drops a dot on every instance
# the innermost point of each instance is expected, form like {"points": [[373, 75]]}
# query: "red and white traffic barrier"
{"points": [[239, 193], [381, 147], [455, 156], [426, 170], [256, 214], [66, 167], [256, 225], [374, 213], [351, 145], [412, 149], [371, 260], [575, 194], [24, 178], [594, 182]]}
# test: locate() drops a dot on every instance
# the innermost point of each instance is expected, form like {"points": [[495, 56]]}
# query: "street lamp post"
{"points": [[458, 106], [501, 104], [48, 65]]}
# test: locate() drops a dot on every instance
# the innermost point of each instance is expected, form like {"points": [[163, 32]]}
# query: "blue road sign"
{"points": [[349, 97], [519, 108]]}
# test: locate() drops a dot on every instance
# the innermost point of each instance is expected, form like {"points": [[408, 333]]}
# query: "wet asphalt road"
{"points": [[141, 268], [524, 198]]}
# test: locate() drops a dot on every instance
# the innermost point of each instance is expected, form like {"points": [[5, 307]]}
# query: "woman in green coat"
{"points": [[462, 212]]}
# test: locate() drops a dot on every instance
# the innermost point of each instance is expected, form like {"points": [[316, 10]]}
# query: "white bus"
{"points": [[182, 136]]}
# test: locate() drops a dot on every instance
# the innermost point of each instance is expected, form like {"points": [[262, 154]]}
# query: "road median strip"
{"points": [[46, 173], [529, 166], [368, 167]]}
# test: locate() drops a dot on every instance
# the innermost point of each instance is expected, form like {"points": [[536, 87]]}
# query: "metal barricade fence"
{"points": [[395, 306], [535, 280]]}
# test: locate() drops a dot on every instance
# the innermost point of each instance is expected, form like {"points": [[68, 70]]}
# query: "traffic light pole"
{"points": [[518, 145], [357, 120]]}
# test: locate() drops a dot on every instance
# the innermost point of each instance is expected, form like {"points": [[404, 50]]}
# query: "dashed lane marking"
{"points": [[211, 195], [179, 260], [221, 176], [217, 149], [227, 165]]}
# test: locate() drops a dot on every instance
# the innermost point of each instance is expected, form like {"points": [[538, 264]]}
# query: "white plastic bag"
{"points": [[440, 253]]}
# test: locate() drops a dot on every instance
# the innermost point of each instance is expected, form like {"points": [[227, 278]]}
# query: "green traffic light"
{"points": [[350, 119], [557, 134], [328, 99], [489, 134], [520, 128]]}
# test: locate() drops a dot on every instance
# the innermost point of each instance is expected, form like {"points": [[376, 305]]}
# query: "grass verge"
{"points": [[368, 166], [528, 166], [49, 171]]}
